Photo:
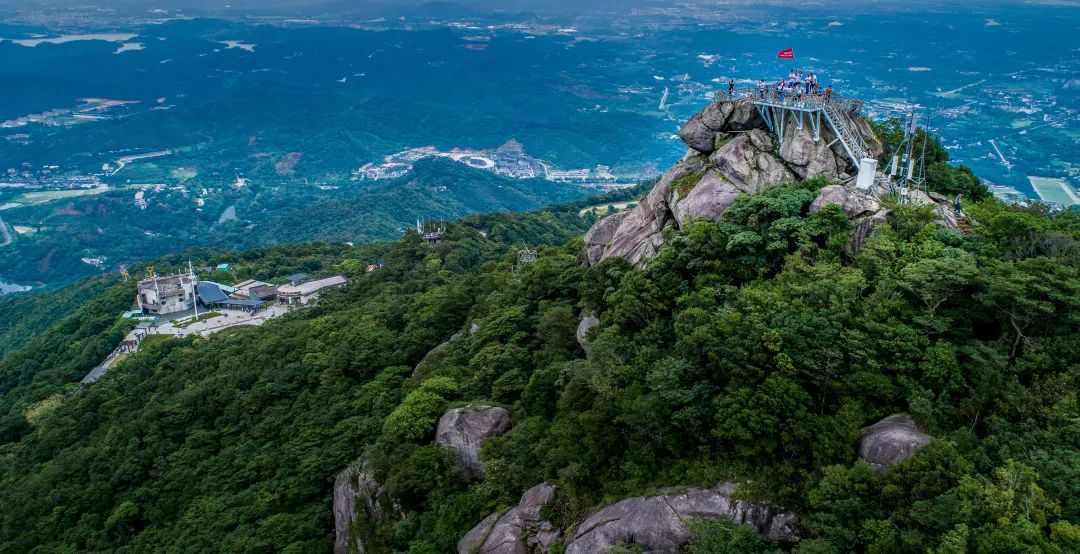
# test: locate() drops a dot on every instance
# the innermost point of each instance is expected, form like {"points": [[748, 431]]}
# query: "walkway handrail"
{"points": [[838, 110]]}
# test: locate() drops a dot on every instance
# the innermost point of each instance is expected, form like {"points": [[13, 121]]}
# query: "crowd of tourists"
{"points": [[796, 87]]}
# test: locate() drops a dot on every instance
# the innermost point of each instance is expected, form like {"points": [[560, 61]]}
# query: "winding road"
{"points": [[5, 236]]}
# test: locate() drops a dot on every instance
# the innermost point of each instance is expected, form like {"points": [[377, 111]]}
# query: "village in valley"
{"points": [[508, 160]]}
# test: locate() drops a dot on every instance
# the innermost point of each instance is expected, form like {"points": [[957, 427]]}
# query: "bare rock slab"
{"points": [[515, 531], [658, 524], [583, 328], [891, 441], [465, 429], [356, 487]]}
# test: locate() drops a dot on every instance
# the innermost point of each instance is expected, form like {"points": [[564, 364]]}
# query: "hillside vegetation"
{"points": [[751, 349]]}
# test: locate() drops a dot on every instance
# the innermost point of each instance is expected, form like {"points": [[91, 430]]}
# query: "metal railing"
{"points": [[783, 97], [841, 123], [838, 109]]}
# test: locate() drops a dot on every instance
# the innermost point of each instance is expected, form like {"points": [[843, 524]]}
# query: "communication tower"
{"points": [[525, 256], [430, 231]]}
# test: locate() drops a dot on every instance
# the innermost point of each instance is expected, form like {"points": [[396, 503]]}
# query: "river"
{"points": [[8, 288]]}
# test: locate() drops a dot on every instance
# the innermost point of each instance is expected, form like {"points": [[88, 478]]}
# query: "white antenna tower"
{"points": [[194, 296]]}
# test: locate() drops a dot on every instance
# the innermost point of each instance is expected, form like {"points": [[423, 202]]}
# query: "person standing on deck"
{"points": [[828, 93], [761, 89], [731, 87]]}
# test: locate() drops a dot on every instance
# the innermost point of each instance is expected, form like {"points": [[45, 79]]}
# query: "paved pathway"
{"points": [[228, 320]]}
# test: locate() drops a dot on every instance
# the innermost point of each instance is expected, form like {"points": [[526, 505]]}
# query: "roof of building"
{"points": [[296, 278], [312, 286], [145, 325], [243, 285], [263, 291], [210, 293], [166, 283], [224, 288], [231, 302]]}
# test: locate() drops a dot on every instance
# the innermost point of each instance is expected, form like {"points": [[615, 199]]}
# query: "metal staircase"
{"points": [[841, 124]]}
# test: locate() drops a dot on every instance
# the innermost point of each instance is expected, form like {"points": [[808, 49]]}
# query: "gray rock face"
{"points": [[749, 169], [891, 441], [715, 115], [714, 122], [708, 199], [658, 524], [507, 533], [761, 140], [943, 209], [475, 538], [598, 239], [747, 163], [864, 211], [355, 485], [854, 203], [697, 135], [637, 233], [466, 429], [807, 157], [743, 117], [587, 323]]}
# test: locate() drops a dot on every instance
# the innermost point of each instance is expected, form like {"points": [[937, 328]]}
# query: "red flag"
{"points": [[786, 54]]}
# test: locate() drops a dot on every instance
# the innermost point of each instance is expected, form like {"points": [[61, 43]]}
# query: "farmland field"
{"points": [[50, 195]]}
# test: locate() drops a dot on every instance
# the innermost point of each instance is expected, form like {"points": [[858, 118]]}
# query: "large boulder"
{"points": [[711, 125], [709, 198], [583, 328], [807, 157], [356, 486], [944, 211], [716, 114], [658, 524], [515, 531], [743, 117], [891, 441], [465, 430], [854, 202], [697, 135], [750, 169]]}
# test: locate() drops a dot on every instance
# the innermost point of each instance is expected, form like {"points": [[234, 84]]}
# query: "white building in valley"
{"points": [[167, 294]]}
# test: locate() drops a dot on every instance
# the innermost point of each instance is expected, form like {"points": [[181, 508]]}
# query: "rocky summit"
{"points": [[732, 152]]}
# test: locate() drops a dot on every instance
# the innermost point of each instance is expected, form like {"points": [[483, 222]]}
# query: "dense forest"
{"points": [[751, 349]]}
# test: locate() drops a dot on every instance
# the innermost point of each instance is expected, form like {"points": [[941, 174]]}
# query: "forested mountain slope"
{"points": [[750, 350]]}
